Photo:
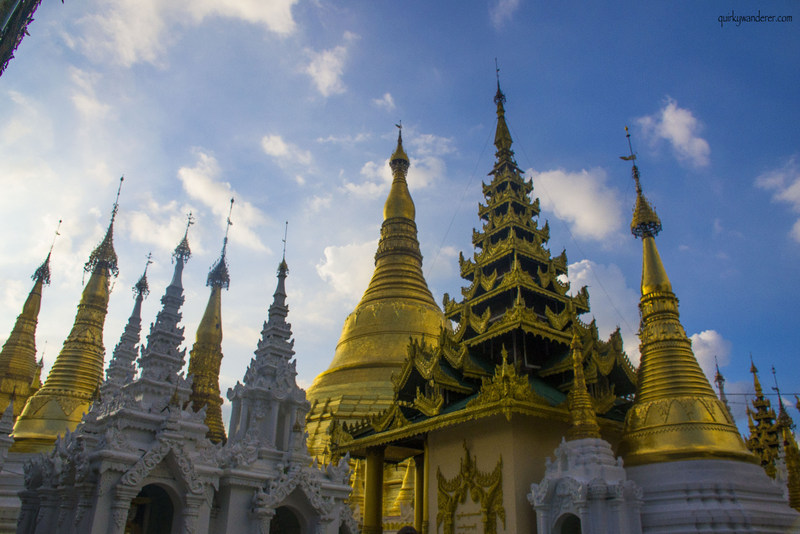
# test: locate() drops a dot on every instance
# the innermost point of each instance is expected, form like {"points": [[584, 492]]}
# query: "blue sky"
{"points": [[290, 107]]}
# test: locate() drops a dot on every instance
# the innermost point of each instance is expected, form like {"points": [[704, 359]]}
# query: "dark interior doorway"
{"points": [[151, 512]]}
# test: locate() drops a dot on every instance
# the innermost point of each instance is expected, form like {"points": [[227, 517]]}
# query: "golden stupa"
{"points": [[396, 307], [676, 415], [20, 373], [73, 381], [205, 358]]}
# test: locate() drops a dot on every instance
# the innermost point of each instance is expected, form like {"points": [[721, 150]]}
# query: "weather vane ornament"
{"points": [[219, 276], [285, 233]]}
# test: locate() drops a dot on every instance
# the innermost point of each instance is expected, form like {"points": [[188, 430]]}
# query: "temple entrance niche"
{"points": [[151, 512], [284, 522], [568, 524]]}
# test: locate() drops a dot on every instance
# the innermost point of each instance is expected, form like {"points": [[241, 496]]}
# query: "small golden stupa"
{"points": [[205, 358], [676, 415], [20, 373]]}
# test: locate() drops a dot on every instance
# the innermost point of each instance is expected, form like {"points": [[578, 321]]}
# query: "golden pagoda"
{"points": [[396, 306], [20, 373], [579, 403], [73, 381], [205, 357], [676, 415]]}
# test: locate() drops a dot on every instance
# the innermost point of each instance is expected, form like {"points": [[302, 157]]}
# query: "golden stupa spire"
{"points": [[676, 415], [78, 370], [502, 137], [581, 411], [398, 261], [19, 370], [396, 306], [205, 357]]}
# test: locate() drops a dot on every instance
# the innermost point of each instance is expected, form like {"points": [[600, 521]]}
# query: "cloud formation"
{"points": [[285, 153], [784, 183], [327, 67], [386, 102], [127, 32], [347, 268], [502, 11], [592, 209], [680, 128], [202, 183]]}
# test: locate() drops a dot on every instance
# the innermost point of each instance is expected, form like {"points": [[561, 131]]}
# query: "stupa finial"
{"points": [[219, 272], [104, 256], [182, 250]]}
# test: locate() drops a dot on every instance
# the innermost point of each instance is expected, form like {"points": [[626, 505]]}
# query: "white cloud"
{"points": [[127, 32], [592, 209], [501, 11], [202, 183], [327, 67], [286, 153], [612, 302], [680, 128], [348, 268], [84, 97], [431, 145], [386, 102], [784, 182], [345, 139], [707, 345], [160, 225]]}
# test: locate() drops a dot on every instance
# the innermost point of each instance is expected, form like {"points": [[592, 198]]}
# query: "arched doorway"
{"points": [[568, 524], [151, 512], [284, 522]]}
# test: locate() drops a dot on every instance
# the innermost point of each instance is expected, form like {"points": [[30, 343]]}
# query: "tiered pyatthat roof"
{"points": [[517, 298], [764, 439], [205, 357], [122, 369], [20, 373], [162, 359], [674, 399], [510, 350], [270, 392], [78, 370]]}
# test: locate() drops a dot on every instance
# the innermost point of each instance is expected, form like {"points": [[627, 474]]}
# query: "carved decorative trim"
{"points": [[483, 488]]}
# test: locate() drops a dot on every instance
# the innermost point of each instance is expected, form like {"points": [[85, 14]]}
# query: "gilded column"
{"points": [[78, 370], [373, 492], [419, 490]]}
